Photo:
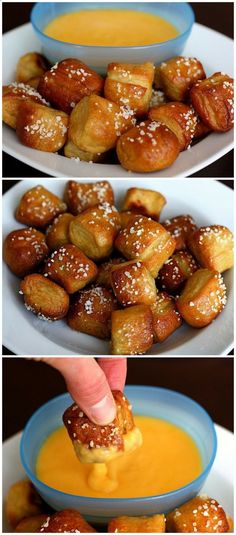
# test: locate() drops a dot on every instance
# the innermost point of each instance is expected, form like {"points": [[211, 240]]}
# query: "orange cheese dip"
{"points": [[167, 460], [110, 27]]}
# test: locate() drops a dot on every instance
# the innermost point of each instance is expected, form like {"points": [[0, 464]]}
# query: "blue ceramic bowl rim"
{"points": [[91, 500], [100, 47]]}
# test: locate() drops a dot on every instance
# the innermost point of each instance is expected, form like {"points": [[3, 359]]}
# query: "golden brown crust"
{"points": [[201, 129], [22, 501], [31, 524], [104, 272], [133, 284], [95, 230], [96, 123], [131, 330], [176, 271], [13, 96], [177, 75], [203, 298], [147, 147], [166, 318], [67, 82], [180, 118], [31, 65], [70, 268], [144, 201], [23, 250], [40, 127], [66, 521], [57, 234], [147, 241], [180, 227], [199, 515], [80, 195], [137, 524], [213, 247], [71, 151], [126, 217], [38, 207], [91, 311], [130, 84], [213, 100], [44, 298]]}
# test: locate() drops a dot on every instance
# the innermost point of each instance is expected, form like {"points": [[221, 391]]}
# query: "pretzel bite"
{"points": [[179, 118], [71, 151], [176, 271], [67, 82], [144, 201], [23, 250], [70, 268], [66, 521], [126, 217], [177, 75], [38, 207], [137, 524], [199, 515], [13, 96], [180, 227], [131, 330], [31, 524], [133, 284], [166, 318], [213, 247], [147, 241], [95, 123], [22, 501], [203, 298], [104, 272], [44, 298], [213, 100], [90, 313], [101, 443], [130, 84], [57, 234], [147, 147], [94, 230], [40, 127], [80, 195], [31, 66]]}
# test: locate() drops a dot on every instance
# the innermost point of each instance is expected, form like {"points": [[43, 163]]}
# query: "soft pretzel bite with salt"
{"points": [[149, 146], [40, 127], [101, 443], [44, 298], [133, 284], [31, 66], [180, 227], [80, 195], [12, 97], [90, 313], [130, 84], [213, 100], [38, 207], [95, 230], [24, 250], [126, 217], [203, 298], [147, 241], [213, 247], [57, 234], [104, 272], [180, 118], [67, 82], [22, 501], [131, 330], [144, 201], [177, 75], [66, 521], [137, 524], [166, 318], [176, 271], [200, 515], [70, 268]]}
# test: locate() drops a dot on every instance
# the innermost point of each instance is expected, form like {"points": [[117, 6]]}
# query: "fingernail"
{"points": [[104, 411]]}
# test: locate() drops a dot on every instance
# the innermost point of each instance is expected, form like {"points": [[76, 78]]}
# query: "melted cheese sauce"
{"points": [[110, 27], [167, 460]]}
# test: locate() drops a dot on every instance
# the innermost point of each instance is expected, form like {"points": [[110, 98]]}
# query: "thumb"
{"points": [[88, 386]]}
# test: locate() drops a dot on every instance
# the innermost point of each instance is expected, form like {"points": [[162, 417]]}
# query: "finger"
{"points": [[115, 370]]}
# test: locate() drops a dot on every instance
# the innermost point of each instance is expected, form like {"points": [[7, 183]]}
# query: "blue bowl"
{"points": [[149, 401], [178, 13]]}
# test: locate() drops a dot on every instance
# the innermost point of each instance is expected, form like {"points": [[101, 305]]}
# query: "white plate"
{"points": [[208, 201], [219, 484], [212, 48]]}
